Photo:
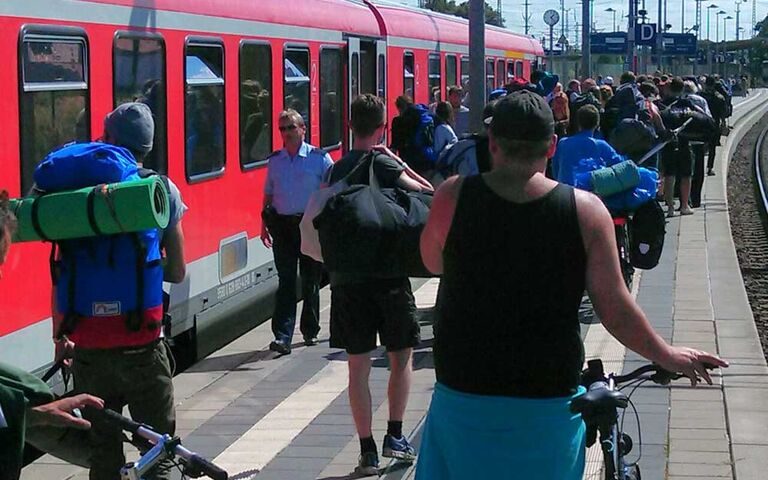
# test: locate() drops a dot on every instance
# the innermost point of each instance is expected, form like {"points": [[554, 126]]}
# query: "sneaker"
{"points": [[710, 173], [368, 464], [686, 211], [280, 347], [398, 448], [310, 341]]}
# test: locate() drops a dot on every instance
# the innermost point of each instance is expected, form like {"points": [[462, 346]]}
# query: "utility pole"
{"points": [[527, 17], [477, 64], [631, 44], [754, 18], [698, 20], [498, 9], [586, 23], [682, 16], [738, 18], [562, 15]]}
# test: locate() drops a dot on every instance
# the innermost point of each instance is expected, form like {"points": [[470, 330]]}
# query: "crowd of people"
{"points": [[514, 243]]}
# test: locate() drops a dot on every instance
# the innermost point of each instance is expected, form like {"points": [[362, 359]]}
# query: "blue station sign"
{"points": [[614, 42]]}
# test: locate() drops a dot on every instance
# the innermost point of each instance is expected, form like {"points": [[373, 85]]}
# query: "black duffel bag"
{"points": [[702, 127], [368, 230], [633, 138]]}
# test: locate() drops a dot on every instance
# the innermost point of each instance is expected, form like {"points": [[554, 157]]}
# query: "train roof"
{"points": [[337, 15], [408, 22], [358, 17]]}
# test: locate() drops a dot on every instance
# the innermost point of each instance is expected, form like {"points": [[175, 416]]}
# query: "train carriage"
{"points": [[215, 73]]}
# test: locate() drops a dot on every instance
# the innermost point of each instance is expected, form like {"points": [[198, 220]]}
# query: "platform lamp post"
{"points": [[613, 11], [709, 39], [717, 35], [725, 36]]}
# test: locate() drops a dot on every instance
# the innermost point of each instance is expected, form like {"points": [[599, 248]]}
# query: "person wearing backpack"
{"points": [[108, 290], [444, 134], [571, 151], [364, 305], [468, 156], [28, 408], [560, 109], [677, 157], [719, 108], [627, 103]]}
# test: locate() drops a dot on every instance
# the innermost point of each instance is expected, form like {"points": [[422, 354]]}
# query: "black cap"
{"points": [[522, 115]]}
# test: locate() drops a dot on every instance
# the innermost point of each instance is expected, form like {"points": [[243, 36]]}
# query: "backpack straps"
{"points": [[134, 318], [36, 219]]}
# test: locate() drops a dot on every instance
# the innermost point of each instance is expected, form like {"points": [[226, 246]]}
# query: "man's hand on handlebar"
{"points": [[692, 363]]}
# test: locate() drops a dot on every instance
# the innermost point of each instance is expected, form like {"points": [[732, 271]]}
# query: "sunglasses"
{"points": [[287, 128]]}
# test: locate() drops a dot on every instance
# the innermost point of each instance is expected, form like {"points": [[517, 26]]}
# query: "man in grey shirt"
{"points": [[460, 112]]}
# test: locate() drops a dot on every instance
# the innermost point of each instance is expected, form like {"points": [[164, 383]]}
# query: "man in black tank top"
{"points": [[515, 251]]}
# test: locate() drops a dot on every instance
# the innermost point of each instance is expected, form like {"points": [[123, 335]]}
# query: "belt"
{"points": [[132, 350]]}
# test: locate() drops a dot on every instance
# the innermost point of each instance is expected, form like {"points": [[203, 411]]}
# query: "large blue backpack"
{"points": [[108, 275], [419, 124]]}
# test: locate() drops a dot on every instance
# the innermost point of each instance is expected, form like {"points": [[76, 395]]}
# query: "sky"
{"points": [[512, 11]]}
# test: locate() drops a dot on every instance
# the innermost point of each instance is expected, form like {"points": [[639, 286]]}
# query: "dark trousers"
{"points": [[697, 180], [287, 248], [137, 377], [711, 156]]}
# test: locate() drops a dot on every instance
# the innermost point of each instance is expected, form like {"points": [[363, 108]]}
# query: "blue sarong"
{"points": [[470, 436]]}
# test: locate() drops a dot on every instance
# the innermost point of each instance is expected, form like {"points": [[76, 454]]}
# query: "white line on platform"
{"points": [[277, 429]]}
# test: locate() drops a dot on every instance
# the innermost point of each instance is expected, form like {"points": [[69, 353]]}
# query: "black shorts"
{"points": [[360, 311], [677, 162]]}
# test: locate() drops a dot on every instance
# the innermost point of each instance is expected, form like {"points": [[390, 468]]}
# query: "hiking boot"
{"points": [[280, 347], [368, 464], [398, 448]]}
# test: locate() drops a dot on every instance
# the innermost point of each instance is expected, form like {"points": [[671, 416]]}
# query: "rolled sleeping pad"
{"points": [[617, 178], [130, 206]]}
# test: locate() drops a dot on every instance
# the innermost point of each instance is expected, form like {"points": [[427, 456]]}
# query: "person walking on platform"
{"points": [[719, 107], [364, 305], [677, 160], [293, 174], [505, 413], [113, 337]]}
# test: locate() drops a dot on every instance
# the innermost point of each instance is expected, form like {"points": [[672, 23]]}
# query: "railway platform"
{"points": [[263, 416]]}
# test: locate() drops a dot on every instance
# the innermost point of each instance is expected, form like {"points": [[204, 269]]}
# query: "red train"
{"points": [[216, 73]]}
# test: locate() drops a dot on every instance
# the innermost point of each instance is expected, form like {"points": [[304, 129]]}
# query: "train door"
{"points": [[366, 70]]}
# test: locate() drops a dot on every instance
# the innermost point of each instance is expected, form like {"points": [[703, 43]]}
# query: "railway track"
{"points": [[748, 208]]}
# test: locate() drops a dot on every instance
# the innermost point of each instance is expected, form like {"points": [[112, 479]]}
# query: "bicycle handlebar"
{"points": [[195, 465], [660, 375]]}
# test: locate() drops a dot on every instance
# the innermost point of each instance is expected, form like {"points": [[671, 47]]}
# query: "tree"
{"points": [[492, 17]]}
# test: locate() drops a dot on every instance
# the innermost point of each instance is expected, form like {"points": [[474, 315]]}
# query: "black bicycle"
{"points": [[161, 447], [600, 406]]}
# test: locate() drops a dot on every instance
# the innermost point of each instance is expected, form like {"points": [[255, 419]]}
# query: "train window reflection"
{"points": [[519, 69], [465, 72], [139, 76], [489, 78], [408, 75], [204, 109], [434, 73], [331, 97], [451, 77], [500, 73], [54, 99], [296, 84], [255, 103]]}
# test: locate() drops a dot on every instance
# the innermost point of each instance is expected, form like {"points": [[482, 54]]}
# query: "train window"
{"points": [[255, 103], [490, 81], [204, 110], [381, 89], [54, 98], [464, 72], [139, 76], [355, 78], [331, 97], [296, 83], [450, 70], [434, 74], [409, 85], [519, 69], [500, 73], [510, 70]]}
